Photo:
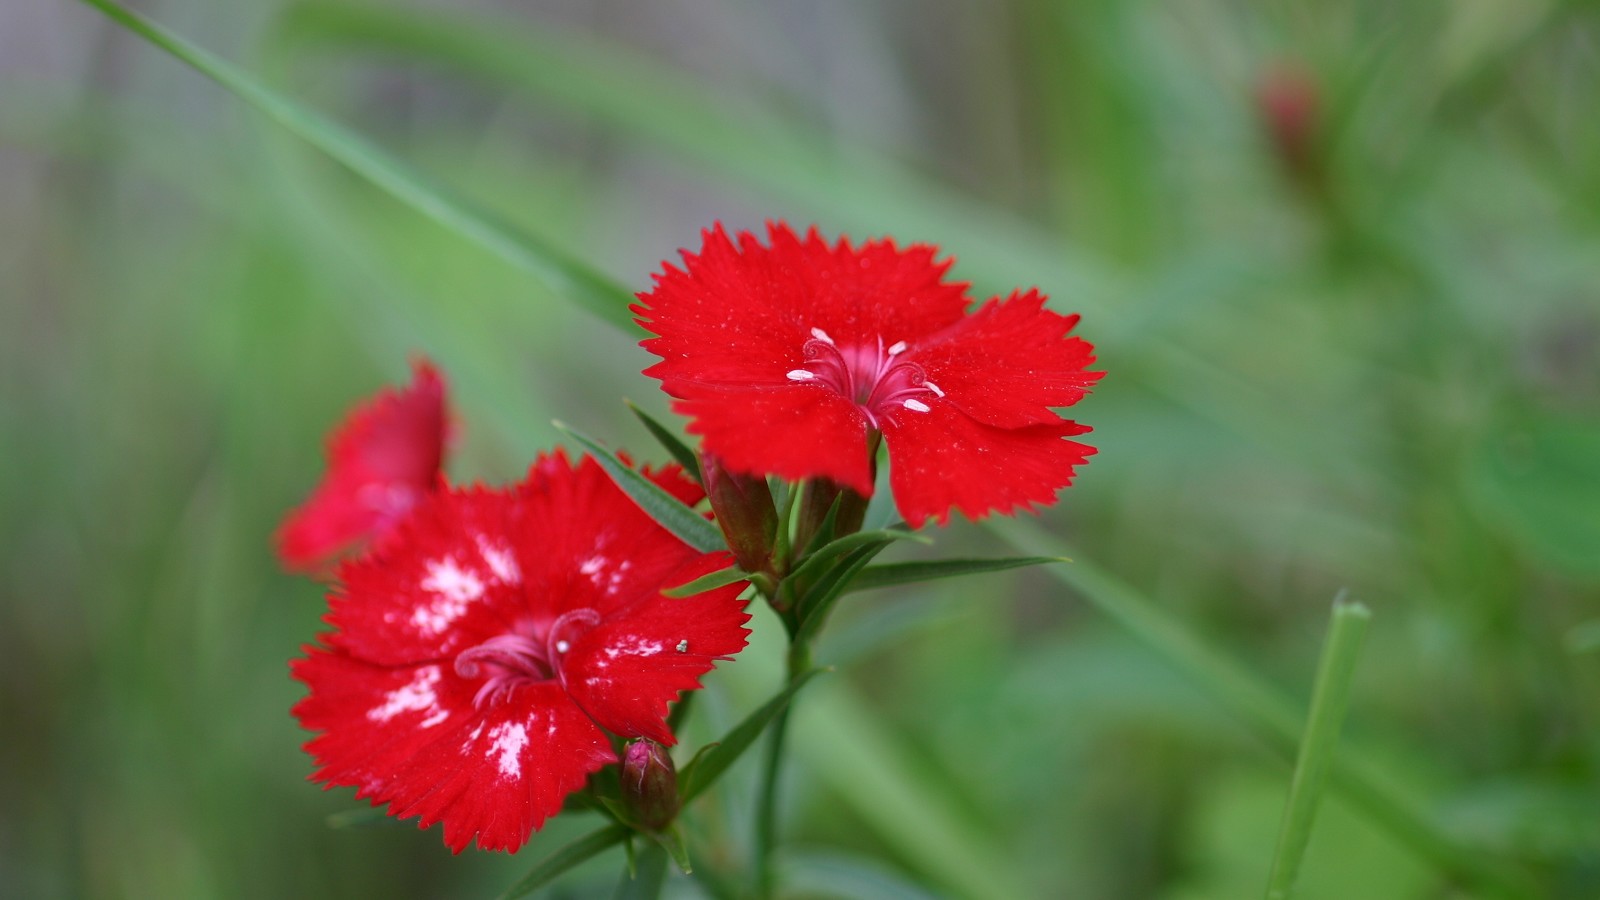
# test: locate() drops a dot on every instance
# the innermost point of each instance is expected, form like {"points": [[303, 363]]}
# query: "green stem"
{"points": [[1329, 699], [649, 874], [772, 769]]}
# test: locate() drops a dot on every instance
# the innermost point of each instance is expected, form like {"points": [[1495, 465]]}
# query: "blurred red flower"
{"points": [[791, 356], [476, 655], [382, 460]]}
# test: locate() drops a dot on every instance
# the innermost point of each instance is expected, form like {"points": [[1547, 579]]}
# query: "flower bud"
{"points": [[745, 512], [649, 784], [1289, 104]]}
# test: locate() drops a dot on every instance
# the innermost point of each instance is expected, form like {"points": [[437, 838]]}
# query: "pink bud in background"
{"points": [[1288, 101]]}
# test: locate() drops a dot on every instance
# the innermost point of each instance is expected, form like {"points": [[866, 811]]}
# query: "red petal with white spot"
{"points": [[626, 670], [449, 578], [943, 460], [441, 692], [382, 460], [412, 738]]}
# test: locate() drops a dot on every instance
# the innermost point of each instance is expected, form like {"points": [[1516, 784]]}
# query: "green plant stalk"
{"points": [[1329, 699], [649, 874], [1272, 716], [799, 661]]}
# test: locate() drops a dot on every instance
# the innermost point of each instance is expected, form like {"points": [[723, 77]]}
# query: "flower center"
{"points": [[508, 660], [873, 378]]}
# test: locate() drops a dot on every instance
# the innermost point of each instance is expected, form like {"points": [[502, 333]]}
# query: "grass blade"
{"points": [[1273, 716], [563, 275], [854, 187], [891, 574], [556, 864], [668, 511], [1329, 699]]}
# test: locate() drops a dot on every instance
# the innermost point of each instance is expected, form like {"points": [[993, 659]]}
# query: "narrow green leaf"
{"points": [[704, 583], [814, 608], [668, 511], [564, 275], [1329, 699], [557, 863], [709, 764], [891, 574], [786, 504], [680, 451], [821, 560]]}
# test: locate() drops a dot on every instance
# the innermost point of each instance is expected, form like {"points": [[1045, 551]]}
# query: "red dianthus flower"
{"points": [[790, 356], [476, 655], [382, 460]]}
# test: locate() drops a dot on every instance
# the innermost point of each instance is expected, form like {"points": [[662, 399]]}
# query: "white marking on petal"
{"points": [[800, 375], [821, 335], [916, 406], [592, 565], [932, 387], [414, 696], [635, 646], [501, 562], [683, 646], [897, 348], [509, 740], [453, 588], [562, 646]]}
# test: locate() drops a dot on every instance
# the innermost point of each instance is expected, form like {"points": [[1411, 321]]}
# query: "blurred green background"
{"points": [[1341, 259]]}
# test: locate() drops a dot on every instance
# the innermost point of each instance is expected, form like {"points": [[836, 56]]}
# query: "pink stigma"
{"points": [[509, 660], [875, 379]]}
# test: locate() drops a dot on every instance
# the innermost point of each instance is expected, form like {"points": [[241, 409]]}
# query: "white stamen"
{"points": [[897, 348], [916, 406], [683, 646], [562, 646], [821, 335], [801, 375], [932, 387]]}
